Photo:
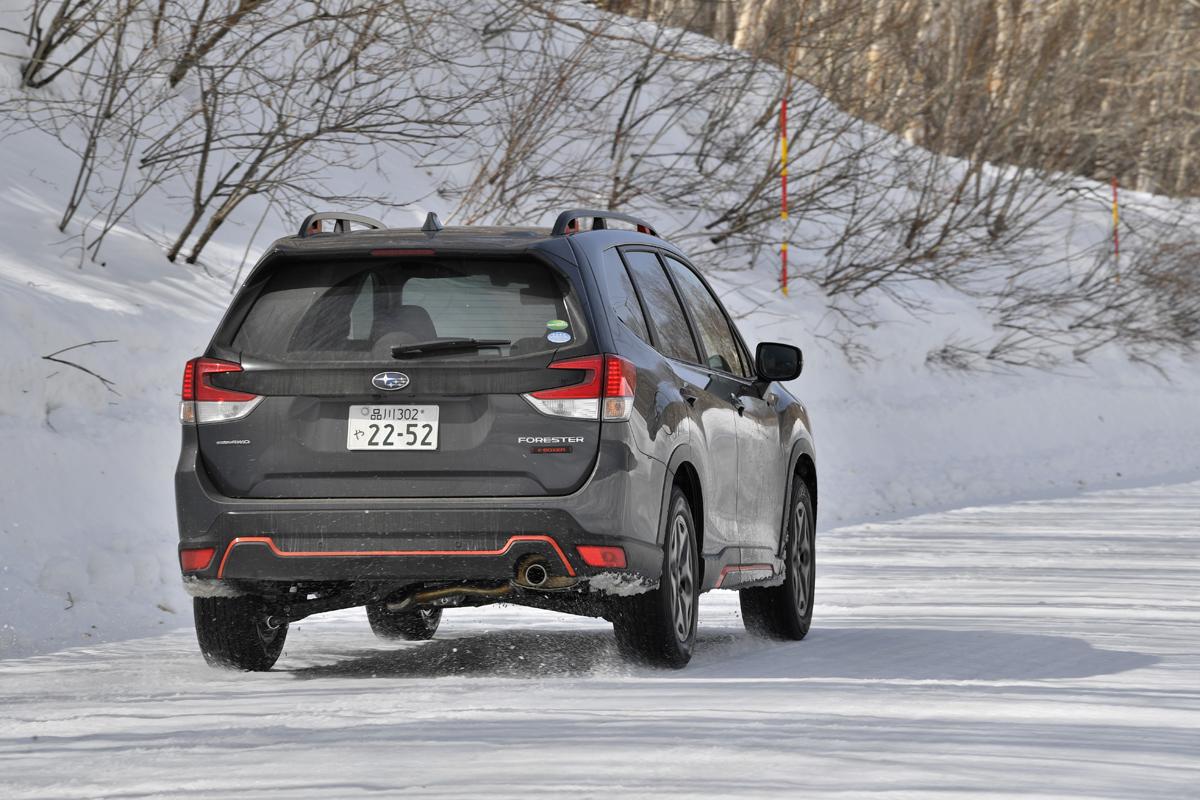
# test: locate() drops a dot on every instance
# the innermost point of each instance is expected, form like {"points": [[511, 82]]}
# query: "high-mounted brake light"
{"points": [[393, 252], [606, 391], [204, 402]]}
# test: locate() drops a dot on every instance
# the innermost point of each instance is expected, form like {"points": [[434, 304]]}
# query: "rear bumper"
{"points": [[420, 539], [389, 558]]}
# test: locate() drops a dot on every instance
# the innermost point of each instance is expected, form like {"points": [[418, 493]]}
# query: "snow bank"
{"points": [[87, 528], [895, 436], [86, 510]]}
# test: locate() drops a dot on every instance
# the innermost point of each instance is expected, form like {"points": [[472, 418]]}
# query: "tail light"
{"points": [[194, 560], [606, 391], [203, 402], [602, 556], [620, 380]]}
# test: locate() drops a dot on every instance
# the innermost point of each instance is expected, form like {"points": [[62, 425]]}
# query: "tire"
{"points": [[412, 626], [785, 612], [233, 633], [659, 626]]}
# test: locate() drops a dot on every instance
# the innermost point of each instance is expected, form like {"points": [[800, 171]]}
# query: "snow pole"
{"points": [[1116, 222], [783, 214]]}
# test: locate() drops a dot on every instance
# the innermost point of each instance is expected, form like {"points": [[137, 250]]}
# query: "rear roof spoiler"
{"points": [[599, 220]]}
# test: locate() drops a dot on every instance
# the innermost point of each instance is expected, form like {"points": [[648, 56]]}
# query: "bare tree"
{"points": [[214, 103], [205, 33], [1100, 88], [283, 101], [241, 99], [74, 25]]}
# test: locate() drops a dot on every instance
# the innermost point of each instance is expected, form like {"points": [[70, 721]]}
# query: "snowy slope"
{"points": [[1044, 649], [86, 511], [87, 523]]}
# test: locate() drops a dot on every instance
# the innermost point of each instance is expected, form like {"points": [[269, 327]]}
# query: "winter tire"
{"points": [[413, 626], [659, 627], [785, 612], [234, 632]]}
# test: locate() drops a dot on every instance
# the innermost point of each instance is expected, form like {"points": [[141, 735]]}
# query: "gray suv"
{"points": [[416, 419]]}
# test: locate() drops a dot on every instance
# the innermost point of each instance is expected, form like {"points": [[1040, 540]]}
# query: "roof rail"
{"points": [[342, 220], [599, 220]]}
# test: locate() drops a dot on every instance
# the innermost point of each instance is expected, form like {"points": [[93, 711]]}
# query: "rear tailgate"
{"points": [[342, 417]]}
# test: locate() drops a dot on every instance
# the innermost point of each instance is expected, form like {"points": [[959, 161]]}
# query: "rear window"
{"points": [[323, 312]]}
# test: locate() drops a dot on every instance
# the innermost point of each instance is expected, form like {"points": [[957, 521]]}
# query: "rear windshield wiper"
{"points": [[443, 345]]}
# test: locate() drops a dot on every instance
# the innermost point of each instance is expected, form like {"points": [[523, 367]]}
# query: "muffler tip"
{"points": [[536, 575]]}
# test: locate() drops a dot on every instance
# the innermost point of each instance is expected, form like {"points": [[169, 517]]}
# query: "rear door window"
{"points": [[713, 327], [673, 338], [355, 312]]}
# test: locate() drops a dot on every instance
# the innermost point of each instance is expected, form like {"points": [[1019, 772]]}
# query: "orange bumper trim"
{"points": [[512, 540]]}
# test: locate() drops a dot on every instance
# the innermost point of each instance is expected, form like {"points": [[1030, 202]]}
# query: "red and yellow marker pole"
{"points": [[783, 213], [1116, 225]]}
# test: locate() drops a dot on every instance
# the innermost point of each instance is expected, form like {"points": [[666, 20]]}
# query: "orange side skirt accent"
{"points": [[742, 568]]}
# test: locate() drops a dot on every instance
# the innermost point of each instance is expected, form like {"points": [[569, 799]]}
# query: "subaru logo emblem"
{"points": [[390, 381]]}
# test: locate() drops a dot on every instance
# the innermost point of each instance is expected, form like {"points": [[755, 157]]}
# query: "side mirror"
{"points": [[774, 361]]}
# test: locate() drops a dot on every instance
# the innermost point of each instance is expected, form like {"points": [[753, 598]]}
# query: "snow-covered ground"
{"points": [[87, 522], [1042, 649]]}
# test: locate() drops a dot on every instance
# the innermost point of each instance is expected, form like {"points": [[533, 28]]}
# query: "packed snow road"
{"points": [[1035, 649]]}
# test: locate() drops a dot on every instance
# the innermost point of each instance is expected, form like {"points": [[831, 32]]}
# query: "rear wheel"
{"points": [[659, 627], [413, 626], [785, 612], [234, 632]]}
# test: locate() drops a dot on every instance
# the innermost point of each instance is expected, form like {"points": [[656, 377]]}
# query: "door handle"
{"points": [[737, 403], [688, 394]]}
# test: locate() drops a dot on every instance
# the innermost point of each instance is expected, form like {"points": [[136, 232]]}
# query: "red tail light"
{"points": [[607, 378], [204, 402], [588, 388], [595, 555], [189, 381], [620, 381], [197, 387], [197, 559]]}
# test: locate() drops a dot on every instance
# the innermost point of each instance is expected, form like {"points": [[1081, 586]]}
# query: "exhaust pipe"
{"points": [[465, 590], [531, 574], [535, 575]]}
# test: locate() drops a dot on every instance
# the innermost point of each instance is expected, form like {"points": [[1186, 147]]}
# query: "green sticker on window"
{"points": [[558, 325]]}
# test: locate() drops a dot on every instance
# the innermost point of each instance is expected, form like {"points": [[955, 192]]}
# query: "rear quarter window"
{"points": [[622, 296]]}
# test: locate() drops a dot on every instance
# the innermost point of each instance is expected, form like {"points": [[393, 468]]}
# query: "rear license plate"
{"points": [[392, 428]]}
